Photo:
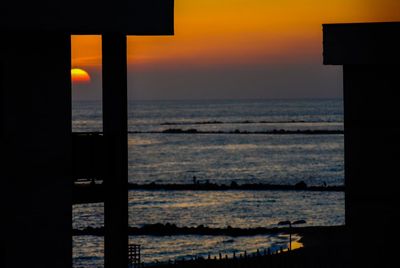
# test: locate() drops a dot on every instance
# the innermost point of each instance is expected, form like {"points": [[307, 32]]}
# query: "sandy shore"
{"points": [[322, 247]]}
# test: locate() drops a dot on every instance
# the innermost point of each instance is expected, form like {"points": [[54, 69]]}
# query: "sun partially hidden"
{"points": [[80, 76]]}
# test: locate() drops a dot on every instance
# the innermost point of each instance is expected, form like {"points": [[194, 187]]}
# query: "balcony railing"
{"points": [[88, 156], [88, 167]]}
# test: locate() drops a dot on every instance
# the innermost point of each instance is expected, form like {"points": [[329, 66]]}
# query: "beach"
{"points": [[317, 247]]}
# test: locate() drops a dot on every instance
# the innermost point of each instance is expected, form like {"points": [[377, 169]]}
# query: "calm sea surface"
{"points": [[220, 158]]}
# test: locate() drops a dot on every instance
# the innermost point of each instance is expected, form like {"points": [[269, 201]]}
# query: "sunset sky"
{"points": [[235, 49]]}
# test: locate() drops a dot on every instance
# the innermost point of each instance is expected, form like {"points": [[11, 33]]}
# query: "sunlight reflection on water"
{"points": [[222, 158], [243, 209]]}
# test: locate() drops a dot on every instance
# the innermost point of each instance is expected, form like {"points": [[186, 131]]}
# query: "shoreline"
{"points": [[327, 245]]}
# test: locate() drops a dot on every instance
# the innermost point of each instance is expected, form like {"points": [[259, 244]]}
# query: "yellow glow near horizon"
{"points": [[297, 245], [80, 76], [242, 32]]}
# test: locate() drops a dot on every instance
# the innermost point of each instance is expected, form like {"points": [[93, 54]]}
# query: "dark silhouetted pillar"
{"points": [[370, 56], [35, 122], [115, 132], [35, 191]]}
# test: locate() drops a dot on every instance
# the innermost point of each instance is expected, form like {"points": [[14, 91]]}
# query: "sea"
{"points": [[218, 152]]}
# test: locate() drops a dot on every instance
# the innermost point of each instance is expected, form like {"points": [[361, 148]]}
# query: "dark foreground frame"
{"points": [[370, 54], [35, 122]]}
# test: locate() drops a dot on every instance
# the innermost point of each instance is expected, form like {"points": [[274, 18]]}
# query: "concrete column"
{"points": [[369, 54], [115, 127], [35, 192]]}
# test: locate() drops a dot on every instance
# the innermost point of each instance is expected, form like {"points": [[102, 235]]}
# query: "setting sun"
{"points": [[80, 76]]}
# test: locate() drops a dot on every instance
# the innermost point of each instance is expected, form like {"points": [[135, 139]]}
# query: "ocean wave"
{"points": [[237, 131], [216, 122]]}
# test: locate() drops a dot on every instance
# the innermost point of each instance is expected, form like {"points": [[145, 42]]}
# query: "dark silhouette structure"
{"points": [[41, 157], [369, 53], [37, 146]]}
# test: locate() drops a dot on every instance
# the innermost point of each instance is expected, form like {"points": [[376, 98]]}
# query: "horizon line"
{"points": [[227, 99]]}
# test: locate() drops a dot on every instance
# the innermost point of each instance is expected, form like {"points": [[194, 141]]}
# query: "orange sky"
{"points": [[235, 49], [240, 32]]}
